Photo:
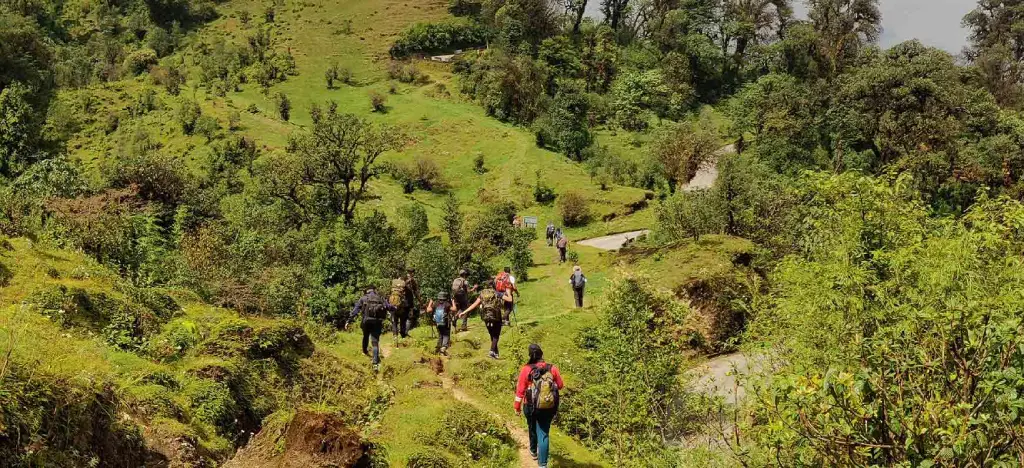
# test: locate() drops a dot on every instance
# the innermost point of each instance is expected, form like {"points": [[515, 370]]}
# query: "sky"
{"points": [[933, 22]]}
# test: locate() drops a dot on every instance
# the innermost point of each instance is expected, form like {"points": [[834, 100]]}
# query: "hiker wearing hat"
{"points": [[537, 397], [375, 310], [578, 283], [460, 294], [442, 313], [490, 303]]}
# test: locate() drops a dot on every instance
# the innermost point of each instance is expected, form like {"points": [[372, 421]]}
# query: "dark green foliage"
{"points": [[542, 192], [509, 87], [378, 102], [435, 265], [453, 220], [6, 275], [519, 255], [284, 106], [566, 124], [123, 323], [464, 7], [478, 163], [435, 38]]}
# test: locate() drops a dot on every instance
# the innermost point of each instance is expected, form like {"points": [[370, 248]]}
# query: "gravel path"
{"points": [[614, 241], [706, 176]]}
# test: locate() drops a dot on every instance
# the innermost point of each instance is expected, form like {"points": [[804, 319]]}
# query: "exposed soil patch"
{"points": [[310, 440]]}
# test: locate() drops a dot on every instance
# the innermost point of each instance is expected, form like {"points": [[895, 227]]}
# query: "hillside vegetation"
{"points": [[194, 194]]}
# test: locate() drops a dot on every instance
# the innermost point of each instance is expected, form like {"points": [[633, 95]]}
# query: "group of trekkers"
{"points": [[556, 237], [538, 384]]}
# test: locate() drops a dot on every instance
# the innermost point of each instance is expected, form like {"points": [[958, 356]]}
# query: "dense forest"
{"points": [[193, 195]]}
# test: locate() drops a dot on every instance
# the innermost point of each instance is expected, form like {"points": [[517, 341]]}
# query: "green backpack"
{"points": [[543, 391], [490, 305]]}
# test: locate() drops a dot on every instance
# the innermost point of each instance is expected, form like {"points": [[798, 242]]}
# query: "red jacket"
{"points": [[524, 382]]}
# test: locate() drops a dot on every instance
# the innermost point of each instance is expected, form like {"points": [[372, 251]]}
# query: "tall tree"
{"points": [[326, 170], [614, 12], [751, 22], [997, 47], [576, 9], [844, 28]]}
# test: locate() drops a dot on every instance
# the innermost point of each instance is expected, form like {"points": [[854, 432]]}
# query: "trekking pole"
{"points": [[515, 312]]}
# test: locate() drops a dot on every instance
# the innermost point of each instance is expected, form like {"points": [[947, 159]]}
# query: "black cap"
{"points": [[508, 269]]}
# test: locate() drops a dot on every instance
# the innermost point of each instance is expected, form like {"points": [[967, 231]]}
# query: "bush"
{"points": [[439, 37], [140, 61], [406, 73], [378, 102], [207, 126], [574, 209], [188, 115], [634, 357], [429, 459], [468, 431], [423, 173], [478, 163], [464, 7], [542, 192], [690, 214], [6, 275], [284, 106]]}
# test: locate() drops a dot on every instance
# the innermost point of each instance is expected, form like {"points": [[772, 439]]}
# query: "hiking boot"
{"points": [[376, 367], [492, 355], [533, 455], [444, 351]]}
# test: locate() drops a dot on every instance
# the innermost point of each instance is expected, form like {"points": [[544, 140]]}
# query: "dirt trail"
{"points": [[614, 241], [518, 433]]}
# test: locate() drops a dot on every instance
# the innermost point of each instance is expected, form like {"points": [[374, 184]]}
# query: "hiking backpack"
{"points": [[563, 242], [374, 307], [397, 297], [551, 231], [441, 314], [543, 390], [503, 282], [578, 280], [490, 305], [460, 291]]}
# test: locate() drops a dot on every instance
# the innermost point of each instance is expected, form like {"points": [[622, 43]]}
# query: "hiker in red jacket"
{"points": [[537, 397]]}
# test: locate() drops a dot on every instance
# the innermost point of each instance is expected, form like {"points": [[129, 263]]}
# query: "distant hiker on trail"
{"points": [[562, 244], [505, 283], [443, 314], [578, 282], [537, 397], [558, 233], [549, 233], [460, 294], [412, 291], [400, 299], [490, 303], [375, 310]]}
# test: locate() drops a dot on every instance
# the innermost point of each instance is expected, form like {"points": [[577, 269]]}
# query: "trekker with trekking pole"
{"points": [[562, 244], [490, 303], [578, 283], [401, 302], [549, 234], [506, 283], [442, 313], [537, 397], [460, 294], [374, 310]]}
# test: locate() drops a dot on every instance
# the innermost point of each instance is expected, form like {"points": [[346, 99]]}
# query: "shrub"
{"points": [[464, 7], [140, 61], [478, 163], [423, 173], [406, 73], [574, 209], [268, 14], [6, 275], [207, 126], [378, 102], [284, 106], [472, 433], [234, 120], [439, 37], [692, 214], [188, 115], [542, 192], [634, 358], [429, 459]]}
